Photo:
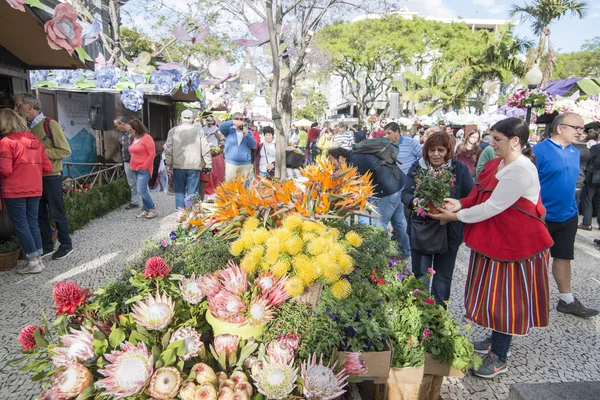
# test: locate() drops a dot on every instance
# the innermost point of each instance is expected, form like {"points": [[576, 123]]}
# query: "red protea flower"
{"points": [[26, 337], [68, 296], [155, 267]]}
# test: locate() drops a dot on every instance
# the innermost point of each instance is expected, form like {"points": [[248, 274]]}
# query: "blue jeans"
{"points": [[142, 177], [186, 184], [52, 203], [500, 344], [23, 214], [391, 209], [443, 265]]}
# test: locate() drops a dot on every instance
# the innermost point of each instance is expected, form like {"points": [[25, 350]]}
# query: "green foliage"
{"points": [[10, 245], [134, 42], [314, 107], [433, 186], [318, 333], [95, 202], [579, 64], [360, 321]]}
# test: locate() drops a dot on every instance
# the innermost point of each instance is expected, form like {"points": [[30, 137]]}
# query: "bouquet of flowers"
{"points": [[306, 250], [215, 150], [433, 186], [529, 98], [372, 119]]}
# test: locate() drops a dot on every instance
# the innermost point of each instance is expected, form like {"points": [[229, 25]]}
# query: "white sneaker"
{"points": [[142, 214], [31, 269]]}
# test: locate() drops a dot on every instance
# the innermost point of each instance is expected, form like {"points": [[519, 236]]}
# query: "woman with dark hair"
{"points": [[142, 152], [438, 154], [468, 152], [507, 282]]}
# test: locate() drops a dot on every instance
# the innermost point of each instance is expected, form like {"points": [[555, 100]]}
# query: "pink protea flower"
{"points": [[320, 381], [280, 352], [290, 339], [26, 337], [191, 290], [69, 383], [17, 4], [155, 267], [354, 365], [78, 346], [68, 296], [226, 305], [155, 313], [192, 340], [128, 371], [273, 289], [165, 383], [234, 279], [259, 312], [275, 380], [63, 31], [429, 300], [210, 285], [226, 343]]}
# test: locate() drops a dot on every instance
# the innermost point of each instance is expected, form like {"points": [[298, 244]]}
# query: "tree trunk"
{"points": [[542, 43], [547, 74], [116, 33]]}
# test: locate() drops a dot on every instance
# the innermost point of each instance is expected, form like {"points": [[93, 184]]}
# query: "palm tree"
{"points": [[542, 13]]}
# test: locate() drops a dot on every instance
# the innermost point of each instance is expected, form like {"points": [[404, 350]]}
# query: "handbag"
{"points": [[428, 236], [270, 172]]}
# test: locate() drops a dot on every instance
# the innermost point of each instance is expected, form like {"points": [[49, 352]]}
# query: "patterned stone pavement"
{"points": [[567, 351]]}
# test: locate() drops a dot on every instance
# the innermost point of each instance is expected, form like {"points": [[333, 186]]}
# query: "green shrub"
{"points": [[95, 202], [10, 245]]}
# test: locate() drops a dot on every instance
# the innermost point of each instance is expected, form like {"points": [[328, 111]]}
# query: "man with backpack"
{"points": [[57, 148]]}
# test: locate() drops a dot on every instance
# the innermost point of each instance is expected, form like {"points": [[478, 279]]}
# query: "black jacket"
{"points": [[593, 163], [462, 187]]}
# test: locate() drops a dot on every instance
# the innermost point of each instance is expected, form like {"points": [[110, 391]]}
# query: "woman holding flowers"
{"points": [[507, 282], [436, 164]]}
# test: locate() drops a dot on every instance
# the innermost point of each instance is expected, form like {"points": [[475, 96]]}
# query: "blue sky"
{"points": [[566, 35]]}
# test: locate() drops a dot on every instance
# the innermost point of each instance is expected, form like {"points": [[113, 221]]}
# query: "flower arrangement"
{"points": [[432, 186], [529, 98], [306, 250], [63, 31], [215, 150]]}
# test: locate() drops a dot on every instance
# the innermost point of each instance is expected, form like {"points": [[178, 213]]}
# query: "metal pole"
{"points": [[528, 117]]}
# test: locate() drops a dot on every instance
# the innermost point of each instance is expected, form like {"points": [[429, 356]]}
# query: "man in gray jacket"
{"points": [[186, 154]]}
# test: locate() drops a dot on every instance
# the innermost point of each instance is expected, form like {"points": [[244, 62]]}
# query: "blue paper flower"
{"points": [[163, 81], [39, 75], [190, 81], [107, 77], [138, 79], [132, 99]]}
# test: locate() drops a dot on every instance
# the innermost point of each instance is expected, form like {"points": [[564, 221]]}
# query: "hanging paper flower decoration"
{"points": [[141, 64], [163, 81], [132, 99], [181, 34], [191, 80], [67, 76], [63, 31], [137, 79], [17, 4], [92, 33], [101, 61], [260, 31], [40, 75], [218, 69], [107, 77], [175, 69]]}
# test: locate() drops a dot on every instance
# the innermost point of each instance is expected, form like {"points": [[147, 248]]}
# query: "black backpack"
{"points": [[314, 149], [383, 149]]}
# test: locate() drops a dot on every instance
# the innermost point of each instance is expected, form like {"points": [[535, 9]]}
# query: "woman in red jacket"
{"points": [[23, 160], [142, 152], [507, 282]]}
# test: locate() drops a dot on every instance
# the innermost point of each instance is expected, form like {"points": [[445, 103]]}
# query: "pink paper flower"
{"points": [[426, 333], [63, 31], [17, 4]]}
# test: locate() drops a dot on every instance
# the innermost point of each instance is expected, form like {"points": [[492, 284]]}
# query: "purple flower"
{"points": [[379, 301], [138, 79], [393, 261], [350, 332], [132, 99], [107, 77], [164, 243], [421, 212], [400, 276], [407, 272], [173, 235], [334, 318], [415, 292]]}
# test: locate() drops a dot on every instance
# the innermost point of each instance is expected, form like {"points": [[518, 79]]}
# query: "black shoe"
{"points": [[131, 206], [61, 253], [576, 308], [597, 241], [47, 253]]}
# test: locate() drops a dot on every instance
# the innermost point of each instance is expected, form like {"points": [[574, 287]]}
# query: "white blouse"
{"points": [[266, 152], [516, 180]]}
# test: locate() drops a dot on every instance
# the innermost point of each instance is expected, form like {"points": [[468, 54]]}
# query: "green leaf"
{"points": [[136, 337], [35, 3], [82, 54], [47, 84], [117, 336], [84, 85], [199, 95], [42, 375], [134, 299], [125, 85], [178, 346], [39, 340], [87, 393], [168, 357], [155, 352], [165, 340], [246, 352]]}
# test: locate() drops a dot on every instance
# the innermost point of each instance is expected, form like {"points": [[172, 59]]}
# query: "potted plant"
{"points": [[9, 253], [433, 186]]}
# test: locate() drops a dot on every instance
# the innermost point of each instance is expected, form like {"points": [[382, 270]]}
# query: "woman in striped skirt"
{"points": [[507, 283]]}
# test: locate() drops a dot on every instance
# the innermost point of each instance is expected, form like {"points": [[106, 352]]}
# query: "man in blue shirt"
{"points": [[239, 143], [558, 169], [410, 151]]}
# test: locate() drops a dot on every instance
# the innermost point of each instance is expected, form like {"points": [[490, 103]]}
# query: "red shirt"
{"points": [[256, 139], [313, 134], [23, 160], [378, 134], [142, 154]]}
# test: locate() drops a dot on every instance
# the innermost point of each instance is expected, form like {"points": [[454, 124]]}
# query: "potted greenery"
{"points": [[9, 253], [433, 186]]}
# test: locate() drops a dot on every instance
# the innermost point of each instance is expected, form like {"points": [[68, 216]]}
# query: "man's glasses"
{"points": [[19, 105], [579, 129]]}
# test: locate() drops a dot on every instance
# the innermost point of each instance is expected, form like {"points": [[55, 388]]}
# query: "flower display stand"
{"points": [[311, 295], [404, 384], [243, 331], [378, 364]]}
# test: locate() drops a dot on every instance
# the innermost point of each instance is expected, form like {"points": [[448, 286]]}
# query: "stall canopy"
{"points": [[22, 34], [566, 87]]}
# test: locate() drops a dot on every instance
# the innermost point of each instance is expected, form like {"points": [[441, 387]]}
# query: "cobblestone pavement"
{"points": [[567, 351]]}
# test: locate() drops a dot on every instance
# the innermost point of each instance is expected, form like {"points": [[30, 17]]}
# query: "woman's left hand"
{"points": [[444, 215]]}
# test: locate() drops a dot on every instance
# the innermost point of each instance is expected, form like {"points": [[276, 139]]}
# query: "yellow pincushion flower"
{"points": [[265, 266], [312, 226], [341, 289], [280, 268], [337, 251], [237, 247], [251, 224], [308, 236], [294, 245], [282, 233], [272, 255], [246, 238], [260, 236], [346, 264], [249, 264], [324, 259], [307, 274], [294, 287], [331, 273], [292, 221], [316, 246], [354, 239], [256, 252], [273, 242], [299, 261], [334, 232]]}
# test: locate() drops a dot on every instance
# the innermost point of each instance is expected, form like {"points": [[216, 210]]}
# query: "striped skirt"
{"points": [[509, 297]]}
